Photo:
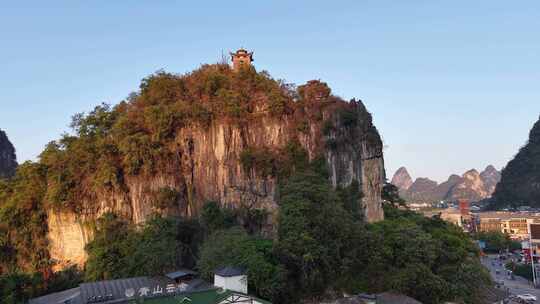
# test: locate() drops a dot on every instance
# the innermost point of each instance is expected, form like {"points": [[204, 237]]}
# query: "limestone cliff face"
{"points": [[206, 166]]}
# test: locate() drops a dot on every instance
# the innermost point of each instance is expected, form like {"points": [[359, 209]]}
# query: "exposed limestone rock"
{"points": [[207, 166], [67, 238]]}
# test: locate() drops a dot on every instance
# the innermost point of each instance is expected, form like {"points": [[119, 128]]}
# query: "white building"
{"points": [[231, 278]]}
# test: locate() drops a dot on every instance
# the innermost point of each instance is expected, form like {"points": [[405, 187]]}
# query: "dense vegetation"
{"points": [[161, 245], [8, 159], [519, 185], [322, 250]]}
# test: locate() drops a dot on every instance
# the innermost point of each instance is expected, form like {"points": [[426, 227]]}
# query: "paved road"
{"points": [[517, 286]]}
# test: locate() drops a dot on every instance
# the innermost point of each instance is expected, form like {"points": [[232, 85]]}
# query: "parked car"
{"points": [[527, 297]]}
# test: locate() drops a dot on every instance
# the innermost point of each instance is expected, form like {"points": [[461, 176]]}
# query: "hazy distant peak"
{"points": [[471, 173], [471, 185], [402, 179], [490, 168], [454, 177]]}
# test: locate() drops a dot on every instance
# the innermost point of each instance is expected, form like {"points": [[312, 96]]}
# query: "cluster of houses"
{"points": [[516, 224], [520, 225]]}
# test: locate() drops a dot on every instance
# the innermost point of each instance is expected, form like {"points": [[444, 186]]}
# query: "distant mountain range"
{"points": [[8, 161], [471, 186]]}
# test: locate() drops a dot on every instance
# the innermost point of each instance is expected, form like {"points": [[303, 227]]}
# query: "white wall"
{"points": [[237, 283]]}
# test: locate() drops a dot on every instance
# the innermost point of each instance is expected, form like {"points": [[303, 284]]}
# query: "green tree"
{"points": [[234, 247], [108, 249], [313, 233], [425, 258], [497, 241]]}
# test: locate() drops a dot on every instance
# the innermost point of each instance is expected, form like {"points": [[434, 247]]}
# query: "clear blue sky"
{"points": [[452, 85]]}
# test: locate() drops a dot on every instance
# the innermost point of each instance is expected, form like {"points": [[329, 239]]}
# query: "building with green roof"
{"points": [[211, 296]]}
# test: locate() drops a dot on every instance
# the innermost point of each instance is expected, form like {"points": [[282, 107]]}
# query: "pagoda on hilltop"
{"points": [[241, 58]]}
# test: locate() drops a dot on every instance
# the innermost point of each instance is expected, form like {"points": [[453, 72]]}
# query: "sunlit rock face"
{"points": [[207, 167]]}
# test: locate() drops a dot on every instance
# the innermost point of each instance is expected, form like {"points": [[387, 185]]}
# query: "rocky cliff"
{"points": [[209, 135], [471, 186], [402, 179], [520, 181], [8, 160]]}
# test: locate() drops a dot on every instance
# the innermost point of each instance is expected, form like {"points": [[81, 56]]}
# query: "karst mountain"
{"points": [[471, 185]]}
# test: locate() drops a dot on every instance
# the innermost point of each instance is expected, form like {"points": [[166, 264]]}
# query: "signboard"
{"points": [[158, 290], [464, 207], [481, 244]]}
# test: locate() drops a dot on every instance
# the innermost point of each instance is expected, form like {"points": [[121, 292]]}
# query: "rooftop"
{"points": [[180, 274], [230, 271], [212, 296], [123, 290], [505, 215]]}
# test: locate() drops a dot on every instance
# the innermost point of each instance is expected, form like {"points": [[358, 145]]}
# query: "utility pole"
{"points": [[532, 260]]}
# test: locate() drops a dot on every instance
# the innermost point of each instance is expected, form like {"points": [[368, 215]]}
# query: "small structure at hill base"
{"points": [[231, 278]]}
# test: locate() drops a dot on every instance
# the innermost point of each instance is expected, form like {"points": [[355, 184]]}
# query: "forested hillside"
{"points": [[520, 182]]}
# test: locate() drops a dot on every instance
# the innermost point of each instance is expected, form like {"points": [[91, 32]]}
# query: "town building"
{"points": [[515, 224], [455, 216], [230, 286]]}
